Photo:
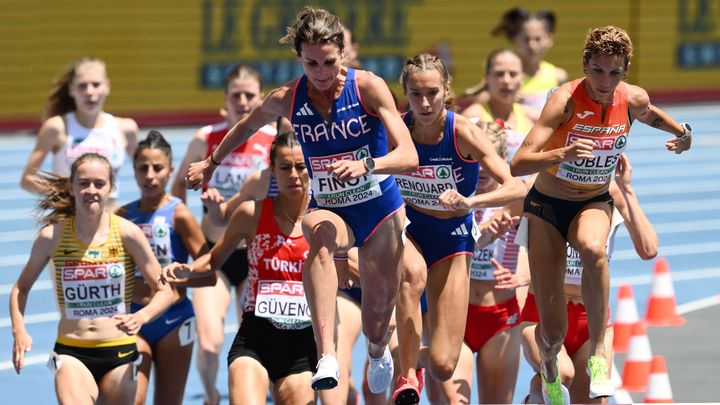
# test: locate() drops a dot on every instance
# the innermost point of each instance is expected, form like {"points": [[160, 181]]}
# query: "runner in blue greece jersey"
{"points": [[317, 38], [439, 197], [353, 134]]}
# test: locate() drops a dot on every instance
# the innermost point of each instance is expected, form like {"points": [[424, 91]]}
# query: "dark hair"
{"points": [[59, 100], [494, 54], [242, 72], [314, 26], [425, 62], [512, 21], [57, 197], [286, 139], [608, 40], [154, 140]]}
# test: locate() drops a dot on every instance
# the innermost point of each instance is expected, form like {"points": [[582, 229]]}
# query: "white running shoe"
{"points": [[380, 372], [600, 384], [327, 375]]}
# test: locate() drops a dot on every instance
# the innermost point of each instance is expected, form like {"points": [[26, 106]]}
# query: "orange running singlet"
{"points": [[609, 135]]}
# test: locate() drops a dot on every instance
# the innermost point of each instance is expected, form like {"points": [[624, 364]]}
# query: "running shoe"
{"points": [[554, 393], [600, 384], [408, 391], [327, 374], [380, 372]]}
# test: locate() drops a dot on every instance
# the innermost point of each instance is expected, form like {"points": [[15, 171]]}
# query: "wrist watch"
{"points": [[688, 131], [369, 164]]}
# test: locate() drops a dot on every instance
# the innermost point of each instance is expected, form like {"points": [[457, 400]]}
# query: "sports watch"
{"points": [[369, 164], [688, 131]]}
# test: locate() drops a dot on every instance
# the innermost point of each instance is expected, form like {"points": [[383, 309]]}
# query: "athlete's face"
{"points": [[290, 171], [533, 41], [89, 87], [321, 64], [604, 73], [505, 77], [241, 97], [152, 172], [91, 187], [426, 94]]}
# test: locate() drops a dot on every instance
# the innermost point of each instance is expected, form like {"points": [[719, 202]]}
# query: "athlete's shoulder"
{"points": [[127, 125], [637, 96]]}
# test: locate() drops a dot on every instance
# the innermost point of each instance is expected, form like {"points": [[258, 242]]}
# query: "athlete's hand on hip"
{"points": [[579, 150], [21, 344], [345, 170], [451, 200], [674, 144], [129, 323], [199, 173]]}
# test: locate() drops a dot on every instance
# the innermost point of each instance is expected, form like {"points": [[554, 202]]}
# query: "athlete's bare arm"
{"points": [[530, 158], [130, 131], [192, 237], [43, 247], [377, 98], [642, 233], [139, 249], [50, 139], [474, 144], [642, 110], [196, 150]]}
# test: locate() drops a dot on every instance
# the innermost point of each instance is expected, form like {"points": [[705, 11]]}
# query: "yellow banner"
{"points": [[167, 58]]}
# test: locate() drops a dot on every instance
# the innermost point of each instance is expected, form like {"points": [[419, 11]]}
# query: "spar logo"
{"points": [[432, 172], [320, 164], [608, 143], [361, 154], [160, 231]]}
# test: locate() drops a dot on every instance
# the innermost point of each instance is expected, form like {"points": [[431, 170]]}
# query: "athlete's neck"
{"points": [[530, 66], [89, 120], [153, 203], [500, 109], [88, 227]]}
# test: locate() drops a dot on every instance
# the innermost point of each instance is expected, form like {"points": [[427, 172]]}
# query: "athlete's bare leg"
{"points": [[408, 312], [248, 381]]}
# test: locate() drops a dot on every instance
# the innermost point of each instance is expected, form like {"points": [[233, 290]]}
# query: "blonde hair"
{"points": [[59, 100], [495, 131], [57, 197], [425, 62], [315, 26], [608, 40]]}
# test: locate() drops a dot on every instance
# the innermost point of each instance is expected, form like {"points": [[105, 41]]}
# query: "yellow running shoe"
{"points": [[600, 385], [554, 393]]}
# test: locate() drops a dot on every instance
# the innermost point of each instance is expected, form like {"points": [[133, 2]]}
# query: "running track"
{"points": [[680, 194]]}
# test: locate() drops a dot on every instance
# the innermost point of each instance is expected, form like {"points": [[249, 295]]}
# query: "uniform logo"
{"points": [[159, 231], [460, 231], [124, 354], [304, 111], [585, 114], [361, 154], [620, 142], [115, 270], [442, 172], [93, 254]]}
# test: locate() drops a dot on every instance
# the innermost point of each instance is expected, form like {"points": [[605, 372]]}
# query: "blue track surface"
{"points": [[680, 194]]}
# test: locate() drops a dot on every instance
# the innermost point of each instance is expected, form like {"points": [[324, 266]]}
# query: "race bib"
{"points": [[333, 193], [158, 234], [229, 177], [283, 302], [94, 290], [599, 169], [480, 267], [423, 187]]}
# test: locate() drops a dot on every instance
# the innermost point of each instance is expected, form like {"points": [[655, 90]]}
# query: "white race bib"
{"points": [[599, 169], [94, 290], [333, 193], [283, 302]]}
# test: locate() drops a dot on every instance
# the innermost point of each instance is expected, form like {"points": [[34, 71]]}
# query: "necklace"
{"points": [[295, 221]]}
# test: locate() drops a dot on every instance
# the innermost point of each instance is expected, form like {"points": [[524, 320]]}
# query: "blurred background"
{"points": [[167, 58]]}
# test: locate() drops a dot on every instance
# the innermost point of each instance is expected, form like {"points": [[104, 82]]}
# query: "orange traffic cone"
{"points": [[661, 305], [636, 369], [621, 396], [659, 383], [626, 315]]}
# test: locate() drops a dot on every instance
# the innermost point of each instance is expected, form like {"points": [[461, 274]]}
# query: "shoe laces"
{"points": [[598, 370]]}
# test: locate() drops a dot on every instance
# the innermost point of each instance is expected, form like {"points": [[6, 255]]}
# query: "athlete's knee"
{"points": [[442, 366], [414, 277], [210, 345], [593, 254]]}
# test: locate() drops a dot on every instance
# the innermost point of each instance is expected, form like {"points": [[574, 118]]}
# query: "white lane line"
{"points": [[698, 274], [645, 190], [34, 318], [673, 250], [39, 285], [678, 206], [697, 305]]}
